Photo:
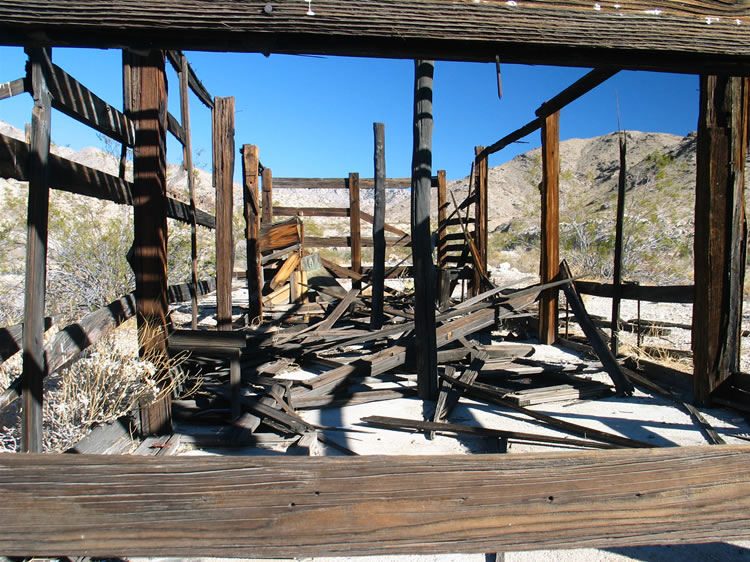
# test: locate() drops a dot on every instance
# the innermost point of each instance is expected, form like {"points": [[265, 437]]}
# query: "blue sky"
{"points": [[313, 116]]}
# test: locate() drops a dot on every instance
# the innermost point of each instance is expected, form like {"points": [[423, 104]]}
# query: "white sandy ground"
{"points": [[642, 416]]}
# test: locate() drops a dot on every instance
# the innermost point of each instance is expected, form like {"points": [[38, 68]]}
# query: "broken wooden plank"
{"points": [[609, 362], [282, 276], [435, 427], [498, 399]]}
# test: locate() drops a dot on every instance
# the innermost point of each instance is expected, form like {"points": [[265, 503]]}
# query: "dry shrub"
{"points": [[106, 383]]}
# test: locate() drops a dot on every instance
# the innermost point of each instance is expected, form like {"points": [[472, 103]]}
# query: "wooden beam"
{"points": [[254, 274], [720, 232], [34, 364], [550, 227], [244, 507], [341, 183], [424, 270], [267, 196], [149, 105], [12, 88], [660, 35], [378, 229], [355, 227], [223, 152], [651, 293], [619, 228], [480, 224], [187, 160]]}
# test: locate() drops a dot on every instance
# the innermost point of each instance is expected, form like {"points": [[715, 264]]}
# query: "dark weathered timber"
{"points": [[72, 177], [11, 337], [378, 228], [667, 293], [720, 232], [186, 291], [75, 100], [355, 226], [311, 211], [449, 397], [246, 507], [657, 36], [267, 196], [175, 129], [549, 255], [480, 216], [439, 427], [149, 261], [223, 161], [609, 362], [619, 227], [176, 58], [442, 209], [252, 212], [424, 269], [13, 88], [187, 161], [34, 364]]}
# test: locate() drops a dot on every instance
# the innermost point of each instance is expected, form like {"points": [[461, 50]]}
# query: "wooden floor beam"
{"points": [[97, 505]]}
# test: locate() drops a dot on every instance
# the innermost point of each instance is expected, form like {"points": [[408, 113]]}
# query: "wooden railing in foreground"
{"points": [[99, 505]]}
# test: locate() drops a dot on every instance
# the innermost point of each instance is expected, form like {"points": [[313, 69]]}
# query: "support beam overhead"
{"points": [[661, 35]]}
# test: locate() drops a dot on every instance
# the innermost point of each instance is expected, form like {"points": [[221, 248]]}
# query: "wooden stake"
{"points": [[354, 225], [378, 233], [424, 270], [223, 152], [34, 364], [550, 241]]}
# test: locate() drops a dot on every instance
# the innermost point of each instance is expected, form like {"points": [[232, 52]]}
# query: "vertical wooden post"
{"points": [[550, 236], [223, 158], [252, 232], [187, 160], [355, 227], [149, 257], [267, 190], [619, 226], [424, 270], [480, 227], [127, 99], [720, 231], [34, 365], [443, 281], [378, 229]]}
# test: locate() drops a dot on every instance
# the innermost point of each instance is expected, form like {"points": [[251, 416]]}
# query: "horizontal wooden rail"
{"points": [[696, 37], [345, 241], [13, 88], [276, 507], [341, 183], [667, 293], [174, 127], [69, 176], [310, 211]]}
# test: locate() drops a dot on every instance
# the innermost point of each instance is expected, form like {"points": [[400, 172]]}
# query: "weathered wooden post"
{"points": [[720, 231], [149, 258], [378, 229], [223, 159], [424, 270], [267, 196], [252, 213], [34, 364], [480, 216], [187, 151], [355, 230], [550, 235], [619, 236]]}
